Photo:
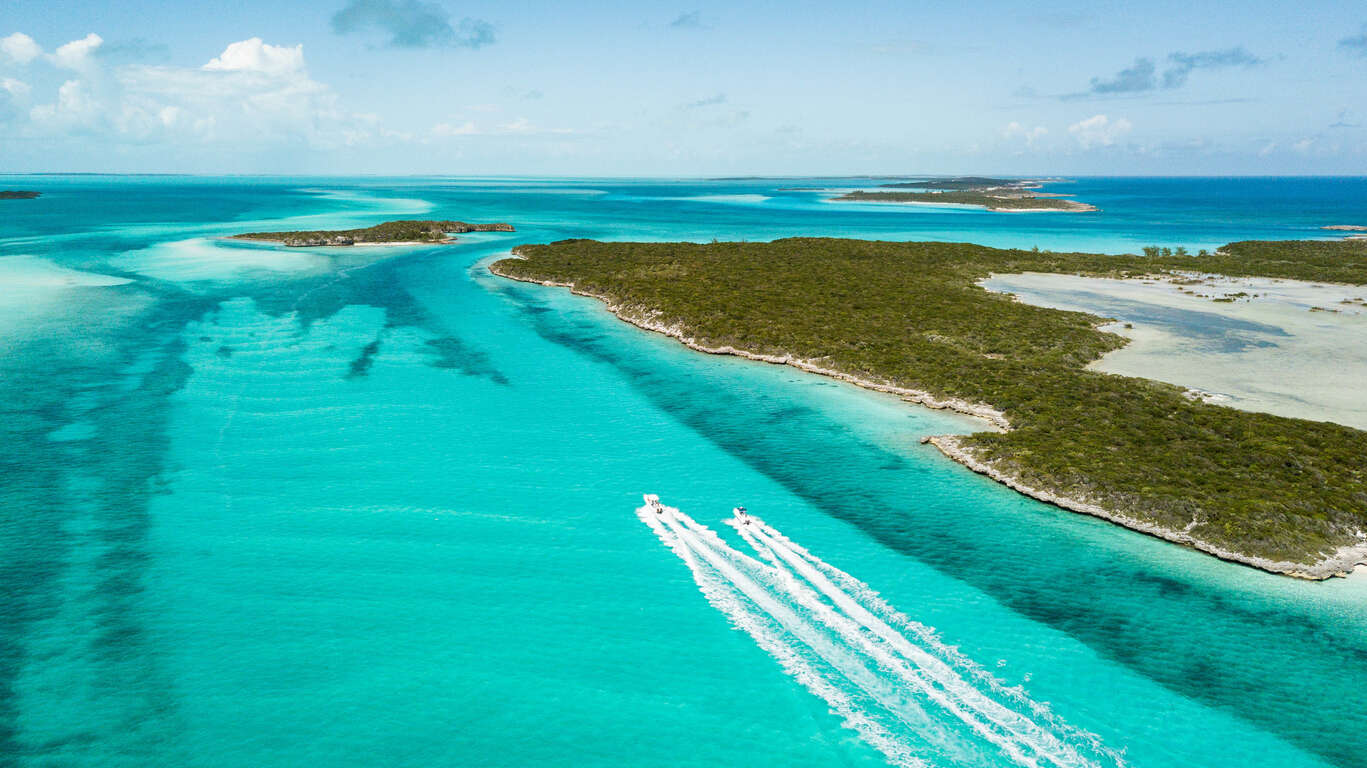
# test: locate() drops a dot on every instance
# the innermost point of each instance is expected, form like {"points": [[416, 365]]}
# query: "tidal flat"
{"points": [[1287, 347]]}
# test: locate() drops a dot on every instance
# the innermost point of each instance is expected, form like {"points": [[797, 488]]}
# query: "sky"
{"points": [[683, 88]]}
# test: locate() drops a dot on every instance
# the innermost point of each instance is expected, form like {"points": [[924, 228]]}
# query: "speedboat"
{"points": [[653, 502], [741, 515]]}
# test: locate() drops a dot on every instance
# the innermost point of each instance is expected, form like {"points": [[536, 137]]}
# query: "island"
{"points": [[388, 233], [18, 194], [1003, 199], [977, 183], [1346, 227], [1282, 494]]}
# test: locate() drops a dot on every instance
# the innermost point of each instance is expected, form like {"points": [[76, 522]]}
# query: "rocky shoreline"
{"points": [[1341, 563], [980, 410]]}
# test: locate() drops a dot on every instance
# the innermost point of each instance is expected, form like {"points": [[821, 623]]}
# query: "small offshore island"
{"points": [[1005, 195], [18, 194], [388, 233], [1282, 494]]}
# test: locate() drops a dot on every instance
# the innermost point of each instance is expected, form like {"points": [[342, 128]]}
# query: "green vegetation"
{"points": [[911, 314], [1005, 201], [18, 194], [388, 232], [960, 183]]}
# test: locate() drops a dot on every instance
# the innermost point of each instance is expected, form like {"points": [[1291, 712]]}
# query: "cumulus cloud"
{"points": [[1099, 131], [1015, 131], [16, 88], [253, 55], [252, 94], [20, 48], [77, 54], [13, 94], [412, 24], [76, 107], [1357, 44], [1142, 76]]}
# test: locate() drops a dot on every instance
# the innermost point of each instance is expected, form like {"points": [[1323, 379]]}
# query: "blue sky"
{"points": [[692, 88]]}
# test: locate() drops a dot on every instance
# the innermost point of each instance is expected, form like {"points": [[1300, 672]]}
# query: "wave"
{"points": [[892, 680]]}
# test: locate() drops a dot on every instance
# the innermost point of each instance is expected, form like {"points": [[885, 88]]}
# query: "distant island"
{"points": [[388, 233], [1281, 494], [977, 191], [1355, 231], [979, 183], [992, 201], [18, 194]]}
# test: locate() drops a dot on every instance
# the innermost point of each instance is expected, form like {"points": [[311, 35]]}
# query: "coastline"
{"points": [[992, 416], [1075, 206], [385, 244], [1340, 564]]}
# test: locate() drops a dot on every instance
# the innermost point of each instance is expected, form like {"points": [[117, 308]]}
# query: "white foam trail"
{"points": [[829, 630], [923, 675], [730, 563], [1024, 741], [962, 665], [723, 597]]}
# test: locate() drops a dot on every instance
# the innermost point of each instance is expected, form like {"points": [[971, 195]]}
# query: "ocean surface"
{"points": [[375, 506]]}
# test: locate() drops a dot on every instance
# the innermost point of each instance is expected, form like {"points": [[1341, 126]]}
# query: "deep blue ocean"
{"points": [[376, 506]]}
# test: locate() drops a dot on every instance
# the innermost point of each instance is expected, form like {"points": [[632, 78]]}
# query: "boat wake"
{"points": [[892, 680]]}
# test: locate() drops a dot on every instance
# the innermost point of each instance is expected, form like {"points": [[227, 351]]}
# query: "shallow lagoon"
{"points": [[383, 506], [1280, 346]]}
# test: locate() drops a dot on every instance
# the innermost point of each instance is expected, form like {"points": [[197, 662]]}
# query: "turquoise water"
{"points": [[267, 507]]}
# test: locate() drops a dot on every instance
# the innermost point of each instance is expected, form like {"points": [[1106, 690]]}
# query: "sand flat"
{"points": [[1284, 347]]}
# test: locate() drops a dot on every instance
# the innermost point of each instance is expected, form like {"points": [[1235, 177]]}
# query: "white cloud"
{"points": [[1099, 131], [253, 55], [518, 127], [1303, 146], [1267, 149], [252, 95], [1015, 131], [75, 107], [76, 55], [15, 88], [464, 129], [521, 126], [20, 48]]}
